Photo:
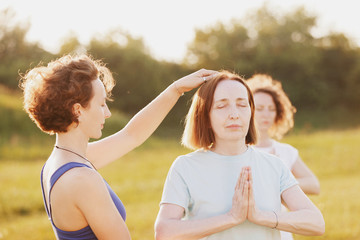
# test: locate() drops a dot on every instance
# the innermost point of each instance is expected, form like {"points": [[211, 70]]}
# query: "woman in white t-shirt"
{"points": [[274, 115], [226, 189]]}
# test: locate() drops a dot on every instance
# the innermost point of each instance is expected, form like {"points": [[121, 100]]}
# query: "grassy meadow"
{"points": [[139, 176]]}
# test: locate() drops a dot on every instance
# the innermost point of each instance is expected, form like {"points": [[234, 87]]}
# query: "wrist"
{"points": [[177, 89], [232, 220], [277, 220], [268, 219]]}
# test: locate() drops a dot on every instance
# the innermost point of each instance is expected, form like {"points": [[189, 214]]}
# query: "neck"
{"points": [[230, 147], [72, 140], [264, 139]]}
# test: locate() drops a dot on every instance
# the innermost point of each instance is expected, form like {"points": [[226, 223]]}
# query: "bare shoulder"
{"points": [[82, 181]]}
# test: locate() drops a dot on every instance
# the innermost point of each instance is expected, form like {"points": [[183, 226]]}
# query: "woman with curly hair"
{"points": [[274, 116], [68, 98]]}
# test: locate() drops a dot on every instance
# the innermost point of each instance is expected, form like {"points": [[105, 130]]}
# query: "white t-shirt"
{"points": [[288, 154], [203, 183]]}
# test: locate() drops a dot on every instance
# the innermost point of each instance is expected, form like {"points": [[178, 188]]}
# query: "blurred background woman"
{"points": [[274, 115]]}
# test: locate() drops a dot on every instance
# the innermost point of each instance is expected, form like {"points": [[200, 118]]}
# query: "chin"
{"points": [[97, 136], [237, 137], [264, 129]]}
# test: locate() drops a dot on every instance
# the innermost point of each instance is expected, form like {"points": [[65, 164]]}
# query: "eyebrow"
{"points": [[226, 99]]}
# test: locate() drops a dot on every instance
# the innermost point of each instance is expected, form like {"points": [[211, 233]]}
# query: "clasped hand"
{"points": [[243, 203]]}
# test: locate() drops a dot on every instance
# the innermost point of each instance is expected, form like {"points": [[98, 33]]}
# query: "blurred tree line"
{"points": [[317, 73]]}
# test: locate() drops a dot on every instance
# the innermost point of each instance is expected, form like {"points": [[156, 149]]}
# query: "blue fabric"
{"points": [[86, 232]]}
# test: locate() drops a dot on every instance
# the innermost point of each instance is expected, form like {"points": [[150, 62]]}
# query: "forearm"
{"points": [[140, 127], [145, 122], [175, 229], [309, 185], [308, 182], [304, 222]]}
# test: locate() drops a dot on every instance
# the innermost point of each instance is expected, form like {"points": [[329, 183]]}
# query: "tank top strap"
{"points": [[56, 175], [63, 169], [43, 191]]}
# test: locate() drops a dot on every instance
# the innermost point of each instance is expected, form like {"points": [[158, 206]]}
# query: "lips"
{"points": [[266, 122], [233, 126]]}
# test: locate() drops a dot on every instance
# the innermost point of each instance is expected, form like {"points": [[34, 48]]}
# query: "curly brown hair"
{"points": [[198, 132], [285, 111], [51, 91]]}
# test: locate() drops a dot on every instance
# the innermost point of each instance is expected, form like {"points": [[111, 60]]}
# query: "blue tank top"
{"points": [[86, 232]]}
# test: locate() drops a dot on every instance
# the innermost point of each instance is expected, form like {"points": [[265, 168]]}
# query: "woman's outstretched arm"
{"points": [[145, 122]]}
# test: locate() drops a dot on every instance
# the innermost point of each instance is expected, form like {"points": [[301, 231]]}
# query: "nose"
{"points": [[267, 112], [261, 112], [107, 112], [234, 113]]}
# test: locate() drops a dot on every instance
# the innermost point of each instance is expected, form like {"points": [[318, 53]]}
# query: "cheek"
{"points": [[216, 119], [273, 116], [247, 113]]}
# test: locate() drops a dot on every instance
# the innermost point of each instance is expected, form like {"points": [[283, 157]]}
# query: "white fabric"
{"points": [[288, 154], [203, 183]]}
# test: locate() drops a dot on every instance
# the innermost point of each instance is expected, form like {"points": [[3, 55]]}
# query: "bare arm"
{"points": [[144, 123], [304, 218], [92, 198], [169, 225], [306, 178]]}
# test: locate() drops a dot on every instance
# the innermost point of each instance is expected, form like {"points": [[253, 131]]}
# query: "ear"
{"points": [[77, 110]]}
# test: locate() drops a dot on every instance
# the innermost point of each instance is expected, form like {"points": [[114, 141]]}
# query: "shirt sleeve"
{"points": [[175, 189], [287, 153], [287, 179]]}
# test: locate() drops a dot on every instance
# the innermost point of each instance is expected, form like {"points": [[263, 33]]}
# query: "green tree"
{"points": [[340, 69], [315, 72], [139, 77], [70, 44], [16, 54]]}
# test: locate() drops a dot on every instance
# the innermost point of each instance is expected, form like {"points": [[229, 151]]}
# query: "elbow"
{"points": [[161, 231], [316, 190], [321, 227], [318, 228], [159, 235], [319, 231]]}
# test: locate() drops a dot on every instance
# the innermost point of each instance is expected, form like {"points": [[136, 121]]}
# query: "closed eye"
{"points": [[242, 105]]}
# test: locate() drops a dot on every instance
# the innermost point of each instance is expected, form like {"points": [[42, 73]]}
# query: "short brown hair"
{"points": [[285, 111], [51, 91], [198, 132]]}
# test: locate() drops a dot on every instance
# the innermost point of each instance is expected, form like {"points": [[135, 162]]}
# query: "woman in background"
{"points": [[68, 98], [227, 189], [274, 115]]}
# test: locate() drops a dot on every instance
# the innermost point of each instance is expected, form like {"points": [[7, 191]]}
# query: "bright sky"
{"points": [[166, 26]]}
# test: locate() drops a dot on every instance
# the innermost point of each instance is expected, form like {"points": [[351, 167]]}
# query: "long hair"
{"points": [[198, 132]]}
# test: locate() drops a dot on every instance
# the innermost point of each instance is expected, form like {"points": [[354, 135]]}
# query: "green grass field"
{"points": [[139, 176]]}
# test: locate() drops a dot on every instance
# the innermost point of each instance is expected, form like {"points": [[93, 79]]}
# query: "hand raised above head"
{"points": [[194, 80]]}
